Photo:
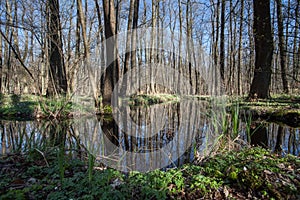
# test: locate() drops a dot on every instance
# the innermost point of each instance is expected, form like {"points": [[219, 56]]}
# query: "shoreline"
{"points": [[29, 107]]}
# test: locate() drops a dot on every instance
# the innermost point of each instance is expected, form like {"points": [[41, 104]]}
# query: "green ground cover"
{"points": [[246, 174]]}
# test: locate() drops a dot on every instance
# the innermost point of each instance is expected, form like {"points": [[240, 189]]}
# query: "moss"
{"points": [[107, 110], [146, 100]]}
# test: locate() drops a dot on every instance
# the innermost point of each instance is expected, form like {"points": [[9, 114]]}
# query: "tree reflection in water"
{"points": [[144, 130]]}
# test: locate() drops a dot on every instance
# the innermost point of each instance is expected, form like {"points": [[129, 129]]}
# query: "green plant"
{"points": [[15, 99], [204, 184], [107, 109], [55, 107], [16, 106], [235, 120]]}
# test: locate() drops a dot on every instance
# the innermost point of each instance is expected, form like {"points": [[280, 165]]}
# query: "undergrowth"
{"points": [[251, 172]]}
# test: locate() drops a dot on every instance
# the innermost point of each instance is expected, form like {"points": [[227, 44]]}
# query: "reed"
{"points": [[235, 120]]}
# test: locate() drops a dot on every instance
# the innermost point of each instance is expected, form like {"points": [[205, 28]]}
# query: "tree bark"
{"points": [[263, 50], [179, 61], [87, 54], [57, 84], [7, 47], [128, 37], [296, 56], [282, 48], [240, 50], [222, 47], [134, 35], [188, 44], [112, 70], [215, 42], [153, 50]]}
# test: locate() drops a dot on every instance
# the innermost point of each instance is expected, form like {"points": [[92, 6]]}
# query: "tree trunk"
{"points": [[57, 84], [112, 70], [188, 45], [222, 47], [128, 37], [7, 48], [100, 42], [215, 42], [153, 50], [282, 48], [240, 50], [134, 35], [179, 62], [263, 50], [296, 56], [87, 54]]}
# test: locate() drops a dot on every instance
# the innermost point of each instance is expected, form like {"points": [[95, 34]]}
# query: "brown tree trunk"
{"points": [[296, 56], [240, 50], [153, 50], [179, 61], [188, 45], [128, 37], [57, 84], [100, 42], [251, 61], [7, 48], [87, 54], [282, 48], [134, 35], [112, 70], [215, 42], [263, 50], [231, 52], [222, 47]]}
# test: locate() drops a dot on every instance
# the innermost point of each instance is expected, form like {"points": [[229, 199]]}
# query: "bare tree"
{"points": [[215, 40], [57, 84], [222, 46], [240, 50], [263, 49], [128, 36], [282, 47], [296, 53], [53, 42], [134, 35], [112, 70], [87, 58]]}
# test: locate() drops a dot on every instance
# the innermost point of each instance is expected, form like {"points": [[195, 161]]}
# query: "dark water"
{"points": [[146, 138]]}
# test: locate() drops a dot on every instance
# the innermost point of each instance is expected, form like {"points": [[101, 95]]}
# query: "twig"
{"points": [[43, 156]]}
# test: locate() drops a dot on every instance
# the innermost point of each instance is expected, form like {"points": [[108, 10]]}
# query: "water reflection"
{"points": [[147, 138]]}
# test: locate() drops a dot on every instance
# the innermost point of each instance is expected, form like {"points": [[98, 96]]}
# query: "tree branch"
{"points": [[17, 55]]}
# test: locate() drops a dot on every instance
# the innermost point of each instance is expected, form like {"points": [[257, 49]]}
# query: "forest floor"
{"points": [[249, 173]]}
